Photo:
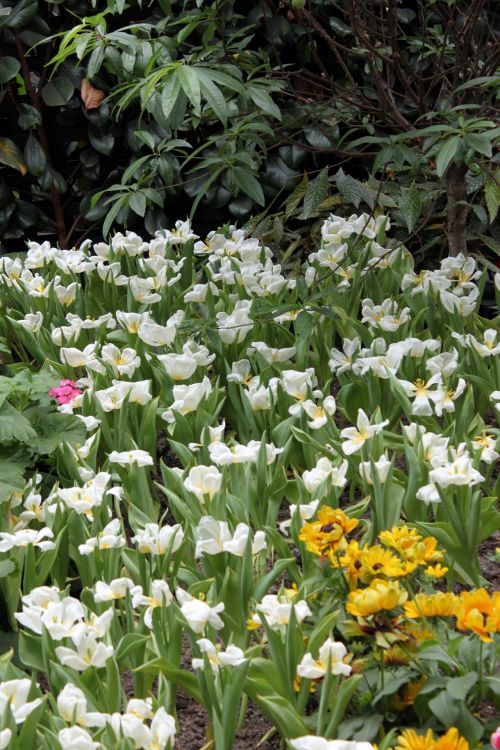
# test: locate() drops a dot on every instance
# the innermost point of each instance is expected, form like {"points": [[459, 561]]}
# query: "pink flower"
{"points": [[65, 392], [495, 739]]}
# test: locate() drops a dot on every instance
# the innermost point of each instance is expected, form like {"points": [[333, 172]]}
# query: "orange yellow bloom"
{"points": [[380, 595], [435, 571], [410, 740], [452, 741], [479, 612], [376, 561], [431, 605], [327, 535]]}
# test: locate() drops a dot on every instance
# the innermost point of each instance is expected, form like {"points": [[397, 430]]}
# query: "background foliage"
{"points": [[127, 114]]}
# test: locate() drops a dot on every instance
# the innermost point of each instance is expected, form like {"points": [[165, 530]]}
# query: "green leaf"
{"points": [[262, 100], [190, 83], [446, 154], [137, 203], [29, 117], [9, 68], [282, 714], [248, 184], [480, 143], [14, 426], [492, 195], [459, 687], [19, 15], [354, 191], [315, 194], [170, 93], [11, 155], [34, 156], [411, 206], [180, 677], [56, 429], [11, 477], [214, 97], [57, 92]]}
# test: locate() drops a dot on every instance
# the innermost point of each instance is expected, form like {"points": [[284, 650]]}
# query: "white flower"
{"points": [[382, 467], [331, 651], [72, 704], [5, 738], [180, 235], [278, 609], [108, 538], [14, 694], [237, 545], [342, 361], [241, 372], [270, 354], [157, 335], [444, 364], [231, 657], [187, 398], [84, 499], [385, 316], [211, 535], [122, 361], [422, 394], [24, 537], [31, 322], [161, 596], [488, 347], [237, 325], [89, 652], [203, 481], [157, 541], [486, 444], [58, 617], [297, 383], [81, 358], [457, 473], [319, 414], [116, 589], [131, 322], [178, 366], [66, 295], [356, 437], [127, 458], [198, 613], [444, 398], [162, 730], [324, 468], [76, 738]]}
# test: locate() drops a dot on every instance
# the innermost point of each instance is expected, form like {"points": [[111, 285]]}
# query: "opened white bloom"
{"points": [[231, 657], [81, 358], [187, 398], [89, 652], [488, 347], [156, 540], [199, 614], [203, 481], [31, 322], [157, 335], [14, 694], [459, 472], [116, 589], [385, 316], [278, 609], [109, 538], [356, 437], [211, 535], [271, 354], [318, 743], [161, 596], [131, 322], [324, 469], [237, 545], [241, 372], [382, 466], [25, 537], [486, 444], [342, 361], [319, 413], [422, 394], [331, 652], [122, 361], [237, 325], [297, 383], [45, 610], [444, 399], [127, 458], [162, 730], [84, 499]]}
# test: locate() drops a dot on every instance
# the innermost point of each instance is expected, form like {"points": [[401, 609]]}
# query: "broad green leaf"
{"points": [[57, 92], [56, 429], [29, 117], [19, 15], [492, 195], [11, 477], [354, 191], [248, 184], [9, 68], [214, 96], [262, 100], [411, 206], [188, 78], [315, 194], [446, 153], [169, 93], [34, 156], [11, 155], [14, 426]]}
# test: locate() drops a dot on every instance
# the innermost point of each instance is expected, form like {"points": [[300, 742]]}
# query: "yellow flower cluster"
{"points": [[475, 610], [452, 740], [407, 551], [326, 536]]}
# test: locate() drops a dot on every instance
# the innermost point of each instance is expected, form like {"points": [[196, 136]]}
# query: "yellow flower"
{"points": [[380, 595], [376, 561], [452, 741], [349, 561], [401, 538], [326, 535], [479, 612], [435, 571], [410, 740], [431, 605], [407, 698]]}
